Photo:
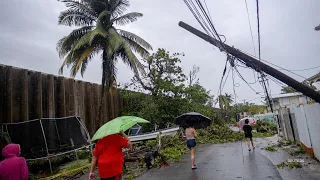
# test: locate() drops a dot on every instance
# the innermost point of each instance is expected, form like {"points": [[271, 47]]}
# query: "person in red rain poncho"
{"points": [[13, 167], [108, 154]]}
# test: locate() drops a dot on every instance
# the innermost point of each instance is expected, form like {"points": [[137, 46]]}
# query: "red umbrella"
{"points": [[241, 123]]}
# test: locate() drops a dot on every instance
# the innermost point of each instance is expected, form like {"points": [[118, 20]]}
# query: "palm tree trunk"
{"points": [[101, 102]]}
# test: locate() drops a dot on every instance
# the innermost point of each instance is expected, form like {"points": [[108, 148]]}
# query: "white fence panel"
{"points": [[302, 126], [313, 117]]}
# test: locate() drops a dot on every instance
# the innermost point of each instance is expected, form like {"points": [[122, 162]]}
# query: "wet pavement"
{"points": [[228, 162], [221, 162]]}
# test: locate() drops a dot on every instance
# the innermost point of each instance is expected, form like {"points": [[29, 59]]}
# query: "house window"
{"points": [[285, 101]]}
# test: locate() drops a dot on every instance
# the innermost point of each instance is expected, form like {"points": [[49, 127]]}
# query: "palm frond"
{"points": [[137, 48], [75, 17], [77, 64], [70, 58], [127, 18], [129, 58], [65, 44], [80, 5], [135, 38], [96, 33], [114, 41], [118, 7], [84, 41]]}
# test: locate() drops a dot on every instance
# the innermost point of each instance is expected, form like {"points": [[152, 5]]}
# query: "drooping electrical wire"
{"points": [[226, 79], [254, 48], [258, 20], [199, 18], [307, 69], [210, 23], [280, 68]]}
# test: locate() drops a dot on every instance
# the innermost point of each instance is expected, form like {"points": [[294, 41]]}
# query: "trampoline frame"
{"points": [[45, 141]]}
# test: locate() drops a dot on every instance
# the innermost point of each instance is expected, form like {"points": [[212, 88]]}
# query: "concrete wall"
{"points": [[288, 125], [302, 124], [27, 95]]}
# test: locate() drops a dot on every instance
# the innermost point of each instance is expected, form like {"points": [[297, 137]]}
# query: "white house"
{"points": [[314, 80], [288, 100]]}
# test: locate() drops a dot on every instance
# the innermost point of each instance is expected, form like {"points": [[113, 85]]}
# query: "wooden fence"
{"points": [[27, 95]]}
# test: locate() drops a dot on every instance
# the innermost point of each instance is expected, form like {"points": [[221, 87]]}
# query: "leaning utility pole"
{"points": [[255, 64]]}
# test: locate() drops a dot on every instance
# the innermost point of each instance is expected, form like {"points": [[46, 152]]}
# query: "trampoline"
{"points": [[46, 138]]}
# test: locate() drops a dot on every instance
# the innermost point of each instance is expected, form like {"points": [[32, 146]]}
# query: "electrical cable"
{"points": [[254, 75], [210, 22], [235, 100], [304, 69], [254, 48], [244, 80], [258, 20], [226, 79], [203, 24], [223, 74], [281, 68]]}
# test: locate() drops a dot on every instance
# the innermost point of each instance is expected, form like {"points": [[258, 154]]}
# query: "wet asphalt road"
{"points": [[219, 162]]}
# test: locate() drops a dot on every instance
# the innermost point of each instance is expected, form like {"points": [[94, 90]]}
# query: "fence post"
{"points": [[45, 142], [291, 125]]}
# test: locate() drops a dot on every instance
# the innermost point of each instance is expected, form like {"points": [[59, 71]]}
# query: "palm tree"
{"points": [[225, 101], [97, 34]]}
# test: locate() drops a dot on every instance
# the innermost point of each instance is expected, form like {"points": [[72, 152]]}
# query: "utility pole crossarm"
{"points": [[256, 64]]}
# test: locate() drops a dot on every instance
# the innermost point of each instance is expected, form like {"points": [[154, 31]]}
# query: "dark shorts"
{"points": [[248, 136], [191, 143], [113, 178]]}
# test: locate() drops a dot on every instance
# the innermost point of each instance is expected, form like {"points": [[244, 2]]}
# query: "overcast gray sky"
{"points": [[29, 33]]}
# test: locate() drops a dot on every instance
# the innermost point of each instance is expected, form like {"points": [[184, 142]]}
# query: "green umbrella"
{"points": [[116, 125]]}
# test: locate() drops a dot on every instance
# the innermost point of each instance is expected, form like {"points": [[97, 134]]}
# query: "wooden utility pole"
{"points": [[255, 64]]}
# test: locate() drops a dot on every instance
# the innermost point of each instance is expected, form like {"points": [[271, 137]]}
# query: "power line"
{"points": [[226, 79], [254, 48], [254, 75], [210, 22], [244, 79], [223, 74], [199, 18], [258, 20], [305, 69], [280, 68]]}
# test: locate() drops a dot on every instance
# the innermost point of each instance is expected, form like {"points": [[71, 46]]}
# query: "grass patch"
{"points": [[270, 148], [264, 134], [298, 151], [131, 176], [285, 143], [289, 165]]}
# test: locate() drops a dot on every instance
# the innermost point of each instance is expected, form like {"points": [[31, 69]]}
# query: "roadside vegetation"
{"points": [[270, 148], [289, 165]]}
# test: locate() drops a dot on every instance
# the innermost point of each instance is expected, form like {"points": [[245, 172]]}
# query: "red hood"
{"points": [[11, 150]]}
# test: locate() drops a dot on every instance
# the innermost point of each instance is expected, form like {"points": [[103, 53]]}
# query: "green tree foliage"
{"points": [[97, 34], [247, 107], [225, 101], [163, 92], [287, 89]]}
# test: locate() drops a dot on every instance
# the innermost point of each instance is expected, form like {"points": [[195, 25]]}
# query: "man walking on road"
{"points": [[248, 134]]}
